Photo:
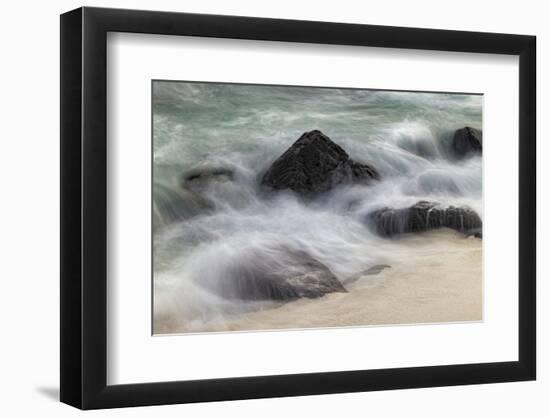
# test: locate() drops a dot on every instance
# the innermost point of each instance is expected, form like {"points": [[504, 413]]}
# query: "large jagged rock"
{"points": [[467, 141], [280, 274], [314, 164], [423, 216]]}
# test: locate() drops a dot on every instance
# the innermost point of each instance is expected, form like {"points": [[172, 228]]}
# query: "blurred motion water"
{"points": [[236, 132]]}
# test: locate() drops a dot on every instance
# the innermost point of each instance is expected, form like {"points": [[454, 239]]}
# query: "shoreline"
{"points": [[435, 277]]}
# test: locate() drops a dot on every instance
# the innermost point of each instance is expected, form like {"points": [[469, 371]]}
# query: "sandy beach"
{"points": [[439, 280]]}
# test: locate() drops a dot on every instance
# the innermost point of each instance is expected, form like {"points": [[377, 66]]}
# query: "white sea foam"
{"points": [[405, 136]]}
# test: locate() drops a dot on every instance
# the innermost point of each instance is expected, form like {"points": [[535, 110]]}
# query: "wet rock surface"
{"points": [[278, 275], [467, 141], [423, 216], [314, 164]]}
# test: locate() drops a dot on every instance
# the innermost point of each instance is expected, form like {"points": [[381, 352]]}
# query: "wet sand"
{"points": [[434, 277]]}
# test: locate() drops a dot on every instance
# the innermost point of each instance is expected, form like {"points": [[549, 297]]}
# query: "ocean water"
{"points": [[199, 235]]}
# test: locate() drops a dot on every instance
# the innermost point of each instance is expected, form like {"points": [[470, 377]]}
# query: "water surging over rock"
{"points": [[315, 164], [278, 274], [423, 216], [467, 141], [172, 204]]}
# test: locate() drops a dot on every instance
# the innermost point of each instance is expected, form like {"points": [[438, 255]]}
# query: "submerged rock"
{"points": [[278, 275], [424, 147], [314, 164], [223, 187], [432, 181], [200, 178], [171, 204], [467, 141], [422, 216]]}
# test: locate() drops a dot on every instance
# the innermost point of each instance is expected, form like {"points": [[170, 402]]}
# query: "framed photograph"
{"points": [[257, 208]]}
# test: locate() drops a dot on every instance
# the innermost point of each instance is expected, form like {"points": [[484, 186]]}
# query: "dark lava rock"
{"points": [[314, 164], [278, 275], [424, 215], [467, 141]]}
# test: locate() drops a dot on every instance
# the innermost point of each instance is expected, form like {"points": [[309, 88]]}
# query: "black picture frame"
{"points": [[84, 207]]}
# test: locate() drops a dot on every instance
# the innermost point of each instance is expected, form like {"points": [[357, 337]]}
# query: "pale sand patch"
{"points": [[436, 277]]}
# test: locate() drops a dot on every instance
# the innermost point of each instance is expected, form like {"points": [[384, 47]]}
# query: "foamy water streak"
{"points": [[243, 129]]}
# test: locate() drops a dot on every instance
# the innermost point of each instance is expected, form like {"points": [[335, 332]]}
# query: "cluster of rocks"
{"points": [[314, 164]]}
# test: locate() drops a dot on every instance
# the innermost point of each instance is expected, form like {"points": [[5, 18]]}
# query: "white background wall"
{"points": [[29, 164]]}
